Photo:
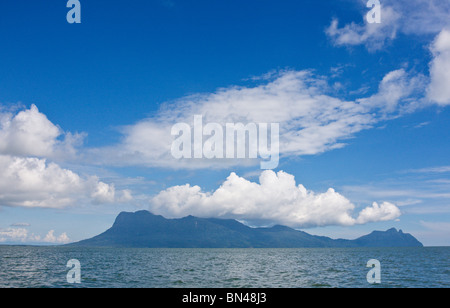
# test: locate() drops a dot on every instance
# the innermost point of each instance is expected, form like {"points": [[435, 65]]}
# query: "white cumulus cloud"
{"points": [[13, 234], [33, 182], [51, 238], [22, 235], [31, 133], [378, 212], [29, 177], [276, 199]]}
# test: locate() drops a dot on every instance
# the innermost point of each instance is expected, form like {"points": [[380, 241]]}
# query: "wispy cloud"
{"points": [[415, 191], [21, 224], [373, 36], [312, 121], [416, 17], [423, 124], [440, 169], [397, 86]]}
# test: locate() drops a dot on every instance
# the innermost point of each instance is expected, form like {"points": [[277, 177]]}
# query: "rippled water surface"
{"points": [[204, 268]]}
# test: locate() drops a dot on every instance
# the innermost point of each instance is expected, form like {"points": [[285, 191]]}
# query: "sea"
{"points": [[47, 267]]}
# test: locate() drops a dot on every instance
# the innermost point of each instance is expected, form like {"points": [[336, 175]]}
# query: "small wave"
{"points": [[321, 285], [334, 270], [232, 279]]}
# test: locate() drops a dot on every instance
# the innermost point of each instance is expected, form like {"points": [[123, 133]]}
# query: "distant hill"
{"points": [[145, 230]]}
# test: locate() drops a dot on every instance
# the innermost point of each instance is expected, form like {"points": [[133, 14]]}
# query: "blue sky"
{"points": [[86, 111]]}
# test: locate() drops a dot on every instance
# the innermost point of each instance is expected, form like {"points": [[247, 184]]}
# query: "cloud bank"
{"points": [[275, 199], [22, 235]]}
